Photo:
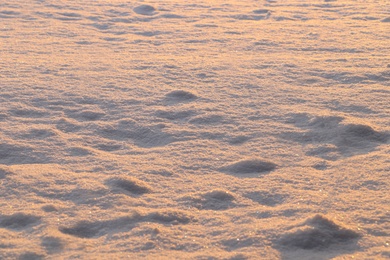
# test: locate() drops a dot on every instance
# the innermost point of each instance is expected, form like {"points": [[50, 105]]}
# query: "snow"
{"points": [[194, 130]]}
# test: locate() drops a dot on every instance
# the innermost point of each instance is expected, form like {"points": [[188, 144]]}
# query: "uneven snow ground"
{"points": [[204, 130]]}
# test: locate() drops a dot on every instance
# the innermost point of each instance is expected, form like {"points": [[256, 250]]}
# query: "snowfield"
{"points": [[169, 129]]}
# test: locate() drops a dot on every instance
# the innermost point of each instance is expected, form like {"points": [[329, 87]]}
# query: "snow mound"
{"points": [[180, 96], [91, 229], [18, 221], [128, 185], [319, 233], [249, 166], [329, 138], [386, 20], [145, 10], [213, 200]]}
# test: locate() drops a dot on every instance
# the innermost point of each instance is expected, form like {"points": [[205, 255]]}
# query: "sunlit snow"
{"points": [[169, 129]]}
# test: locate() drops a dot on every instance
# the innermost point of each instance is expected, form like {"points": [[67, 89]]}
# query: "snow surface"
{"points": [[194, 129]]}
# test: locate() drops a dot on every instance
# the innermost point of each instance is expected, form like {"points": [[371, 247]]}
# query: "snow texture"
{"points": [[169, 129]]}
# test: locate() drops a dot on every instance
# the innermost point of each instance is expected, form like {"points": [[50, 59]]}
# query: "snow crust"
{"points": [[194, 129]]}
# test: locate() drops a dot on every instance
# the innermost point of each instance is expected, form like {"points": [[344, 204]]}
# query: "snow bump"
{"points": [[179, 96], [93, 229], [128, 185], [145, 10], [249, 167], [90, 229], [18, 221], [386, 20], [319, 233], [217, 199], [329, 137]]}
